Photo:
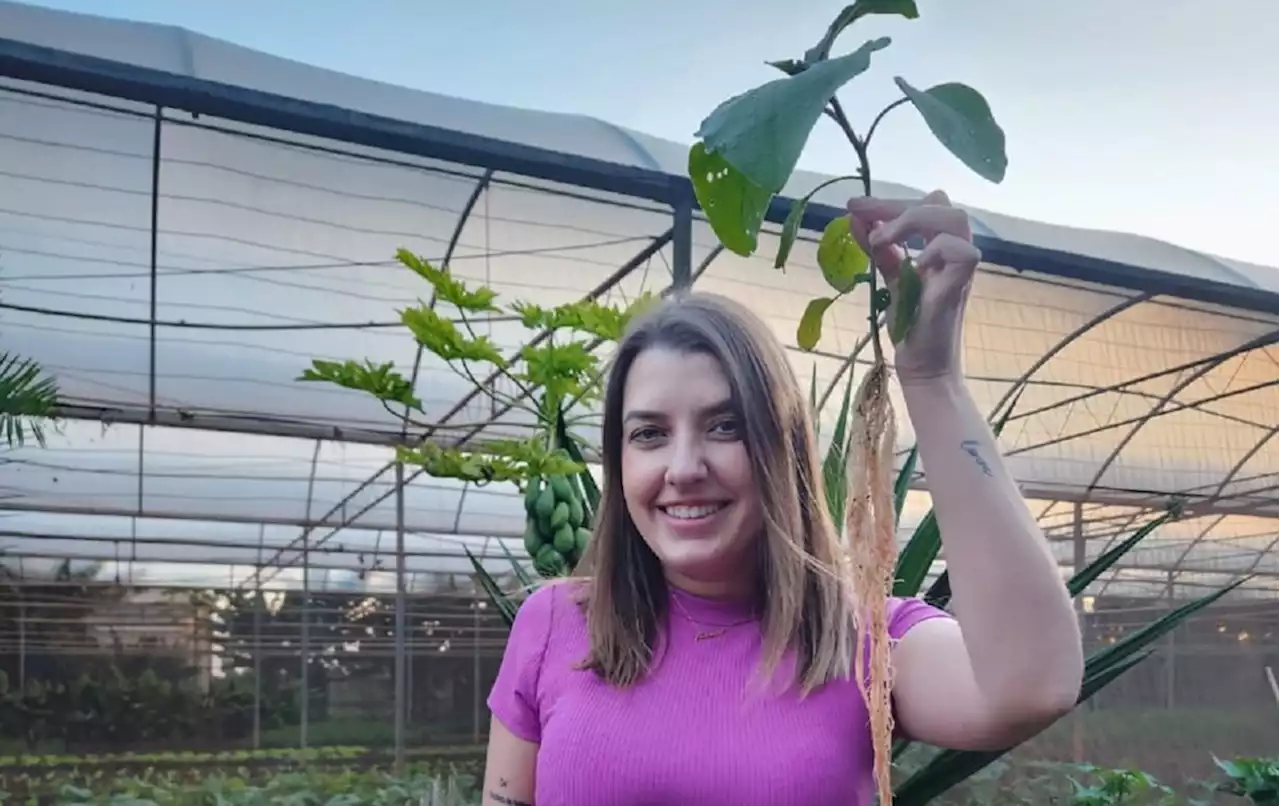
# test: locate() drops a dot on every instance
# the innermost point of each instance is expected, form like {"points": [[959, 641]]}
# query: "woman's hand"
{"points": [[946, 268]]}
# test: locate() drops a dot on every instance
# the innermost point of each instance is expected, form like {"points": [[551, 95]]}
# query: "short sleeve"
{"points": [[905, 613], [513, 700]]}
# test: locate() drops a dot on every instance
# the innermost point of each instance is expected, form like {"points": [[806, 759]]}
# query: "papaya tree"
{"points": [[556, 377], [746, 151]]}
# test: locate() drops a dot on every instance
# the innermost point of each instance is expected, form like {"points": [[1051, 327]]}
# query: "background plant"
{"points": [[555, 373]]}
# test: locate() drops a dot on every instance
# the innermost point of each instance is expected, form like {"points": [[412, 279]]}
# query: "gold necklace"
{"points": [[705, 634]]}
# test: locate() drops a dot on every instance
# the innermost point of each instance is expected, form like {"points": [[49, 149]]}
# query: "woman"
{"points": [[714, 569]]}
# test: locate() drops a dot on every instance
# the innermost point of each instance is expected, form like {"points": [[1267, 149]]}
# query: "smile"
{"points": [[687, 513]]}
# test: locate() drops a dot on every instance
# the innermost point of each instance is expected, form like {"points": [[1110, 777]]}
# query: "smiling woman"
{"points": [[705, 650]]}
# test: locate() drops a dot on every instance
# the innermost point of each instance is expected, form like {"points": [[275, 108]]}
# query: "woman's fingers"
{"points": [[886, 257], [879, 225], [926, 221]]}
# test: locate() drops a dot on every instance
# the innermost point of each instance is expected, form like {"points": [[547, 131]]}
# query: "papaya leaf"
{"points": [[790, 231], [761, 132], [791, 67], [851, 14], [809, 331], [735, 206], [906, 302], [843, 263], [961, 119], [380, 380], [791, 227]]}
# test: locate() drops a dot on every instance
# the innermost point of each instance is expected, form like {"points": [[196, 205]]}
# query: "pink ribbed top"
{"points": [[697, 731]]}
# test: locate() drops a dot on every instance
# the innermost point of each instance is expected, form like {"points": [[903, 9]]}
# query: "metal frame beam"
{"points": [[76, 71]]}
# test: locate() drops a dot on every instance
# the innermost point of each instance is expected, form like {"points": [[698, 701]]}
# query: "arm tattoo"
{"points": [[503, 800], [970, 447]]}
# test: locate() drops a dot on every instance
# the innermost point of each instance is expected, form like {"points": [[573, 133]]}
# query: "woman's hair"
{"points": [[802, 592]]}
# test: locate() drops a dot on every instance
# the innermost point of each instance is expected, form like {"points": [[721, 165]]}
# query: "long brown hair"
{"points": [[802, 594]]}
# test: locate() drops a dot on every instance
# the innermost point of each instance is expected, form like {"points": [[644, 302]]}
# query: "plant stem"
{"points": [[471, 332], [864, 166], [866, 141]]}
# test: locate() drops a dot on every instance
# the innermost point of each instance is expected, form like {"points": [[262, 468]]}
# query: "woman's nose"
{"points": [[688, 462]]}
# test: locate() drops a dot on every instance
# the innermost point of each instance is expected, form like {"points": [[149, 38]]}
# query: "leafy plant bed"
{"points": [[423, 783], [49, 778], [268, 756]]}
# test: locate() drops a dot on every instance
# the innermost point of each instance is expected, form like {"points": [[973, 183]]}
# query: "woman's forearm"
{"points": [[1019, 627]]}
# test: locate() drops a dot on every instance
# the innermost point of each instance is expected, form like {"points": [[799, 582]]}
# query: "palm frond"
{"points": [[27, 398]]}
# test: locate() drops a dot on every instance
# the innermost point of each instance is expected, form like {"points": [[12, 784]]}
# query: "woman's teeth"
{"points": [[693, 513]]}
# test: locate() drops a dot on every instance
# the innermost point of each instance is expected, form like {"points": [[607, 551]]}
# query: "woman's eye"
{"points": [[726, 428], [644, 434]]}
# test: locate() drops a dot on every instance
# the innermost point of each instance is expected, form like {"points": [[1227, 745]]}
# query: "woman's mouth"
{"points": [[692, 520], [693, 513]]}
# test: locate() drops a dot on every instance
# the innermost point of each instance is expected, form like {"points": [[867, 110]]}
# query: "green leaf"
{"points": [[1100, 670], [505, 606], [735, 206], [961, 119], [813, 399], [522, 576], [447, 288], [27, 396], [1083, 578], [1136, 641], [950, 767], [790, 231], [917, 557], [834, 466], [763, 131], [791, 227], [843, 263], [566, 442], [851, 14], [809, 332], [906, 302], [442, 337], [903, 483], [379, 380]]}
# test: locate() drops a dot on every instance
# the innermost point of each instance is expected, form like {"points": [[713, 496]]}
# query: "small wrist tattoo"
{"points": [[970, 447]]}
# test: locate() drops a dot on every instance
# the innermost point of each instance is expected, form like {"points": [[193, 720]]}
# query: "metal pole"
{"points": [[682, 244], [1170, 650], [1078, 561], [401, 603], [258, 605], [306, 639], [476, 607]]}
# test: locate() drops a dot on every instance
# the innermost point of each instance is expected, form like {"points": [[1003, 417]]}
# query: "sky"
{"points": [[1157, 117]]}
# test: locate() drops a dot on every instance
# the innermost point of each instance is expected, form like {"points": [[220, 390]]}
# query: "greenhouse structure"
{"points": [[185, 224]]}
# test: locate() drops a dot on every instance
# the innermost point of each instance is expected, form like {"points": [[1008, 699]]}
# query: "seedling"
{"points": [[746, 152]]}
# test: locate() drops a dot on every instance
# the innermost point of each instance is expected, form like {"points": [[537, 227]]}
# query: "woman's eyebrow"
{"points": [[723, 407]]}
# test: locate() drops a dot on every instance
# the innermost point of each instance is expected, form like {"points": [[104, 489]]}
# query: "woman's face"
{"points": [[686, 476]]}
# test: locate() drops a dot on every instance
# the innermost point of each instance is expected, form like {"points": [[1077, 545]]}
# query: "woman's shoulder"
{"points": [[906, 612], [551, 607]]}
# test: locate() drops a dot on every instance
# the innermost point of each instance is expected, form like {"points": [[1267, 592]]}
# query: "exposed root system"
{"points": [[869, 526]]}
